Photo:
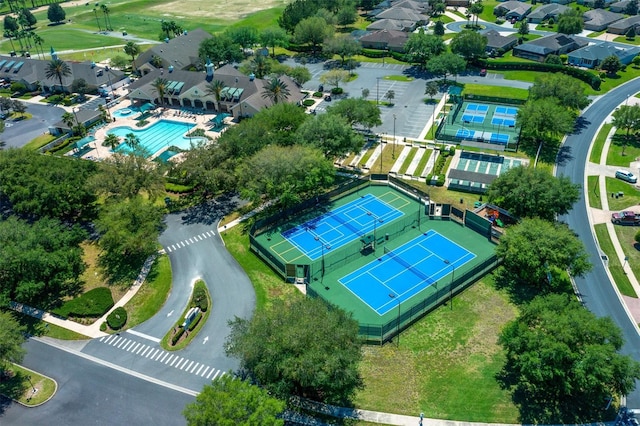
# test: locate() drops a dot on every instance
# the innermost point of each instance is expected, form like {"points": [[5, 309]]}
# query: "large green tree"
{"points": [[129, 231], [276, 91], [446, 64], [611, 64], [342, 45], [274, 37], [55, 13], [331, 134], [570, 22], [312, 31], [40, 262], [47, 186], [12, 336], [534, 247], [276, 348], [421, 47], [243, 36], [334, 77], [627, 117], [220, 48], [285, 174], [59, 69], [469, 44], [563, 363], [357, 111], [529, 192], [229, 401], [567, 90]]}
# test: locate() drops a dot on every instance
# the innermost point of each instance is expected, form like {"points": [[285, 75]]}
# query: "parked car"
{"points": [[626, 217], [626, 176], [483, 72]]}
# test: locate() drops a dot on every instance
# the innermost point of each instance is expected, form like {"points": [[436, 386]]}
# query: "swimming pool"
{"points": [[161, 134], [125, 112]]}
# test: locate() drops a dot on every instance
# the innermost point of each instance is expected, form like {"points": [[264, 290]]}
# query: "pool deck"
{"points": [[98, 152]]}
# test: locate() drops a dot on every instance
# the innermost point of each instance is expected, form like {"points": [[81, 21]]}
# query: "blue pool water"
{"points": [[125, 112], [157, 136]]}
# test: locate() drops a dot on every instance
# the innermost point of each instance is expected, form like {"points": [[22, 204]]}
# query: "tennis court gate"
{"points": [[380, 334]]}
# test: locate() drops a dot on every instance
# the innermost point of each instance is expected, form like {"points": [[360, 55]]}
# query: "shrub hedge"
{"points": [[587, 76], [93, 303], [308, 102], [117, 318], [177, 336], [195, 321], [199, 298]]}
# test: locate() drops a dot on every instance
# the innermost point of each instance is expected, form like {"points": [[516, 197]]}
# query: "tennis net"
{"points": [[404, 263]]}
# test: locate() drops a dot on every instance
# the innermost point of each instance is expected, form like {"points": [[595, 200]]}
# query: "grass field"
{"points": [[598, 144], [626, 236], [620, 143], [37, 327], [594, 192], [615, 267], [631, 194], [504, 92], [20, 387], [152, 294]]}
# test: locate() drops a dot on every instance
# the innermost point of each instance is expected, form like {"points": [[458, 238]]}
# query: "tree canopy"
{"points": [[421, 47], [220, 48], [331, 134], [446, 64], [567, 90], [229, 401], [533, 246], [627, 117], [39, 185], [312, 31], [41, 262], [563, 363], [274, 37], [529, 192], [469, 44], [357, 111], [570, 22], [55, 13], [342, 45], [12, 336], [544, 120], [277, 348]]}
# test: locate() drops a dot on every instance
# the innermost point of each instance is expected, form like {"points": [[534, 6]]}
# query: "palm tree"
{"points": [[38, 41], [95, 12], [132, 141], [68, 119], [57, 68], [215, 88], [160, 87], [133, 50], [260, 66], [276, 90], [107, 21], [167, 27], [156, 61], [111, 141]]}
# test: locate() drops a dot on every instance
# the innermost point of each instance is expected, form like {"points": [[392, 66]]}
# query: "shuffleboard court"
{"points": [[398, 275], [341, 226]]}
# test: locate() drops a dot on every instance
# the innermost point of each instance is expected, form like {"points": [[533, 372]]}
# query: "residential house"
{"points": [[32, 73], [385, 40], [457, 3], [600, 19], [547, 11], [562, 1], [403, 14], [554, 44], [497, 44], [180, 52], [592, 56], [512, 9], [619, 6], [242, 96], [590, 3], [391, 24], [624, 25]]}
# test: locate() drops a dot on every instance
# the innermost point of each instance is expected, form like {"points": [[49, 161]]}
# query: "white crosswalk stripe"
{"points": [[188, 241], [201, 367], [122, 342], [166, 354], [194, 367], [205, 371], [141, 348], [126, 347], [169, 359], [216, 375], [172, 362]]}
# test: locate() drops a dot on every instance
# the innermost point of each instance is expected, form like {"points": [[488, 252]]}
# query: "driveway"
{"points": [[18, 133]]}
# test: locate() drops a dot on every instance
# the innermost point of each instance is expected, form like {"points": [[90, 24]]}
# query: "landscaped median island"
{"points": [[25, 386], [191, 321]]}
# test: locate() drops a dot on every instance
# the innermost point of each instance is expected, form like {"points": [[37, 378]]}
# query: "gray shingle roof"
{"points": [[626, 22], [553, 9], [180, 51], [599, 17]]}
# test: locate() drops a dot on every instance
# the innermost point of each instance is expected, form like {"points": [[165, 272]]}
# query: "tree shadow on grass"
{"points": [[12, 386]]}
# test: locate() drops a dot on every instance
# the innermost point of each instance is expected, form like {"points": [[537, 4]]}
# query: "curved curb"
{"points": [[55, 389]]}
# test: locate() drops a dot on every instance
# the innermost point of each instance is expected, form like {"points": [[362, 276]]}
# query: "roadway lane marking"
{"points": [[215, 375], [166, 354], [123, 342], [154, 353], [182, 368], [109, 339], [211, 372], [210, 233], [141, 348], [181, 362], [160, 353], [127, 347], [199, 237], [173, 246], [114, 341], [144, 336], [205, 371], [169, 359], [145, 351], [201, 367], [176, 358], [194, 367], [192, 241], [168, 249], [133, 348]]}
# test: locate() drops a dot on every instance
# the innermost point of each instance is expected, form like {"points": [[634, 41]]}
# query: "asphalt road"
{"points": [[195, 251], [90, 393], [596, 288], [18, 132]]}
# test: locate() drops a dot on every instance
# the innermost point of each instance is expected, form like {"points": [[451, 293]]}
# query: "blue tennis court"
{"points": [[503, 110], [477, 107], [499, 138], [400, 274], [465, 133], [341, 226], [503, 121], [473, 118]]}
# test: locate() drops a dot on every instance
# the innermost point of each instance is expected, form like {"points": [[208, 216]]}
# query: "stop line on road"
{"points": [[162, 356], [189, 241]]}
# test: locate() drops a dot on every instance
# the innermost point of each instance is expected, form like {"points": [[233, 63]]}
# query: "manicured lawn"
{"points": [[444, 19], [611, 82], [598, 144], [267, 285], [594, 192], [387, 158], [152, 295], [596, 34], [620, 142], [397, 78], [624, 39], [39, 142], [505, 92], [487, 12], [37, 327], [188, 336], [631, 194], [407, 161], [423, 162], [368, 155], [615, 267], [20, 387], [631, 249]]}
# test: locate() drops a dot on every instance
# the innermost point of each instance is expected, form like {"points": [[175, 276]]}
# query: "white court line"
{"points": [[121, 343], [201, 367], [174, 360], [165, 355], [205, 371], [194, 367], [211, 372]]}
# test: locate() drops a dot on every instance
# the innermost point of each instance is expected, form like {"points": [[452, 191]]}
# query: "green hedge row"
{"points": [[195, 321], [199, 298], [177, 188], [587, 76], [117, 318], [177, 336], [93, 303]]}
